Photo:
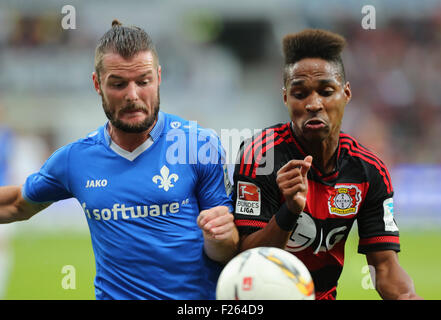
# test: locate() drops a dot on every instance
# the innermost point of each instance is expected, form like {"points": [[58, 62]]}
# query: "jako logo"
{"points": [[96, 183]]}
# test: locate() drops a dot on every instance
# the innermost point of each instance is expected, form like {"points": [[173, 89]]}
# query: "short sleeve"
{"points": [[51, 183], [255, 196], [213, 184], [376, 224]]}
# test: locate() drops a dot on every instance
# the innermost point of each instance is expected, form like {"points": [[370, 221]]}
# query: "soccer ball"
{"points": [[265, 273]]}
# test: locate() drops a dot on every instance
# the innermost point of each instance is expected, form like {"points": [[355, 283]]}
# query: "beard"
{"points": [[132, 127]]}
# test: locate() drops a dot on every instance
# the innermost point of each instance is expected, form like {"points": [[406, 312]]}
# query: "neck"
{"points": [[126, 140], [324, 152]]}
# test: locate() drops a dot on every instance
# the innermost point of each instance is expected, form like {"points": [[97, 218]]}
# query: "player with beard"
{"points": [[322, 179], [160, 221]]}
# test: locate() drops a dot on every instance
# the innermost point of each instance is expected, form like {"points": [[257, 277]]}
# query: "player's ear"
{"points": [[159, 74], [96, 83], [347, 91], [285, 97]]}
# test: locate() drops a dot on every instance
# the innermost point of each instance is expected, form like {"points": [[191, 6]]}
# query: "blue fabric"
{"points": [[142, 213]]}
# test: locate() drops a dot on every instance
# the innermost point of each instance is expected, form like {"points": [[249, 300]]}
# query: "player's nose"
{"points": [[314, 103], [131, 93]]}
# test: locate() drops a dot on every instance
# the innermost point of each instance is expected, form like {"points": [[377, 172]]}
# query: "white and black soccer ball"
{"points": [[265, 273]]}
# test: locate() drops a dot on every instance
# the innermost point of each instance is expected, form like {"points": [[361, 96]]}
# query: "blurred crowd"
{"points": [[222, 66], [394, 71]]}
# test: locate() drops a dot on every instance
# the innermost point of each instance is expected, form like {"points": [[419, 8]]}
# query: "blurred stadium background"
{"points": [[222, 66]]}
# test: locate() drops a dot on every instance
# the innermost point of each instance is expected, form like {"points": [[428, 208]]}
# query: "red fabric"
{"points": [[328, 295]]}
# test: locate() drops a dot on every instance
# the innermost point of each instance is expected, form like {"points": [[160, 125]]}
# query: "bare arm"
{"points": [[391, 281], [13, 207], [220, 234], [270, 236], [293, 184]]}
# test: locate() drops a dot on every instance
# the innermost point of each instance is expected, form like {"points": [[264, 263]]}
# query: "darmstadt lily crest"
{"points": [[166, 179]]}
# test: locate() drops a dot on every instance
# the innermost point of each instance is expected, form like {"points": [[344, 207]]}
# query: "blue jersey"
{"points": [[142, 206]]}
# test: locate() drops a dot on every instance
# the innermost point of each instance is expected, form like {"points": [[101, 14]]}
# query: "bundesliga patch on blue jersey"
{"points": [[142, 206]]}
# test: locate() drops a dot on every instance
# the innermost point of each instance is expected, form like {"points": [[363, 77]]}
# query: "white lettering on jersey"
{"points": [[96, 183], [306, 232], [303, 235], [121, 211]]}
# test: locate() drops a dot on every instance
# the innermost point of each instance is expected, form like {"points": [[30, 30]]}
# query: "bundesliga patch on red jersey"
{"points": [[248, 199], [344, 200]]}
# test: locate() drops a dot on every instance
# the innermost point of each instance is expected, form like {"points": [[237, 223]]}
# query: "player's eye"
{"points": [[143, 82], [117, 85], [327, 92], [299, 94]]}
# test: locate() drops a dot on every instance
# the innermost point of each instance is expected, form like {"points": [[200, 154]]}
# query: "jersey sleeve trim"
{"points": [[380, 239], [250, 223], [246, 227], [379, 243]]}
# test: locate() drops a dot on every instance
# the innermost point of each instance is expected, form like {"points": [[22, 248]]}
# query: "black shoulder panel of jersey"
{"points": [[256, 195], [370, 161], [255, 155], [376, 225]]}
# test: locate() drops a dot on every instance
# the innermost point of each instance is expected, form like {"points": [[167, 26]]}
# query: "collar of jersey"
{"points": [[154, 135], [322, 176]]}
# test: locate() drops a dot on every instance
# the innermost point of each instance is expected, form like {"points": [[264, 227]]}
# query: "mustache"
{"points": [[133, 107]]}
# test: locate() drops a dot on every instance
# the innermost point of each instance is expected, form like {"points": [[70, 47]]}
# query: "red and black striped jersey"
{"points": [[359, 189]]}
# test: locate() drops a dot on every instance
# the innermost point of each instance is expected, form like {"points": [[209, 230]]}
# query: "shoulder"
{"points": [[277, 131], [85, 143], [267, 138], [264, 150], [356, 150], [176, 126], [374, 168], [200, 145], [174, 122], [92, 138]]}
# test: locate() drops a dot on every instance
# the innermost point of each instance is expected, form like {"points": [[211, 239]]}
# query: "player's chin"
{"points": [[135, 118], [316, 135], [132, 126]]}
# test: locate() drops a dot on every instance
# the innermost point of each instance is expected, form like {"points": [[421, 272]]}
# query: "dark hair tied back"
{"points": [[116, 23]]}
